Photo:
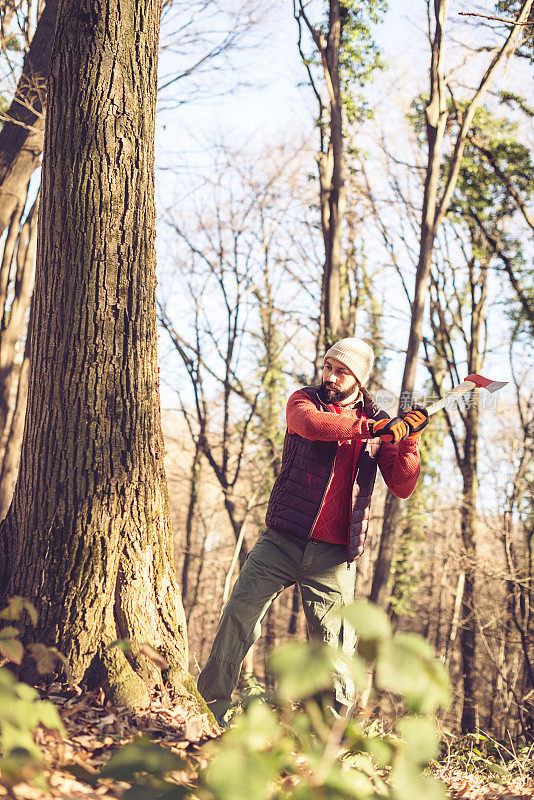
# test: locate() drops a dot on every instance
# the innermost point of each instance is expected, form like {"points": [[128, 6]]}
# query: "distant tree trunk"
{"points": [[469, 517], [10, 461], [434, 211], [331, 169], [193, 489], [10, 242], [455, 619], [194, 599], [436, 119], [14, 316], [87, 537], [519, 622], [21, 137], [332, 185], [469, 529]]}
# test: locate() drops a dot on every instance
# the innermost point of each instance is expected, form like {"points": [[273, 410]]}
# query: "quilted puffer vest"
{"points": [[299, 489]]}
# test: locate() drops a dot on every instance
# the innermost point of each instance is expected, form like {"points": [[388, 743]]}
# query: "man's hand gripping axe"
{"points": [[472, 381]]}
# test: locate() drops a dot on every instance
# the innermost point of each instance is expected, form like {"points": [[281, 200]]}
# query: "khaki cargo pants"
{"points": [[275, 562]]}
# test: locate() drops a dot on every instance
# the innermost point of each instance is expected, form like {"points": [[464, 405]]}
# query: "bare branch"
{"points": [[495, 19]]}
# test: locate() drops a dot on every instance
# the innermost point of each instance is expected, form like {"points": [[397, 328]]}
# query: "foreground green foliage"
{"points": [[291, 745], [21, 708], [21, 712]]}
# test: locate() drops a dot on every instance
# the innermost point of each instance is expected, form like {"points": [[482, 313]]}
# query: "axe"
{"points": [[472, 381]]}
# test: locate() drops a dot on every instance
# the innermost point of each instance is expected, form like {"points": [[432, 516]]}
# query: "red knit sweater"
{"points": [[398, 463]]}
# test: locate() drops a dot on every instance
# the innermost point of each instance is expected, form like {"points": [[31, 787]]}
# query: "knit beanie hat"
{"points": [[354, 354]]}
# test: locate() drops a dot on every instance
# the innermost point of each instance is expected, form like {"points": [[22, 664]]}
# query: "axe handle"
{"points": [[458, 391]]}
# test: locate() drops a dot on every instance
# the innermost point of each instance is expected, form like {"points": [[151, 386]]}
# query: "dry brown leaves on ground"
{"points": [[470, 786], [95, 730]]}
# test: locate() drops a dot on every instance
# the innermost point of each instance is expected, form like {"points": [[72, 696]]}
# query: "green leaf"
{"points": [[26, 693], [14, 608], [7, 681], [258, 726], [407, 666], [353, 667], [300, 792], [14, 738], [302, 668], [19, 765], [347, 783], [493, 767], [235, 774], [124, 645], [421, 739], [32, 612], [12, 649], [83, 774], [48, 716], [142, 755], [408, 782], [369, 621], [45, 658], [9, 632], [381, 750]]}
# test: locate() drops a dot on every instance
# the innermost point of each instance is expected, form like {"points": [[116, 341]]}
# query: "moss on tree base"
{"points": [[123, 686]]}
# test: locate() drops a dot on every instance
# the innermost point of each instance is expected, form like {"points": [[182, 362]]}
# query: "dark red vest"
{"points": [[300, 487]]}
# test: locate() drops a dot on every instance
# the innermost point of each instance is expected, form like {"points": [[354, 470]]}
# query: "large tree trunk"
{"points": [[87, 537], [21, 137]]}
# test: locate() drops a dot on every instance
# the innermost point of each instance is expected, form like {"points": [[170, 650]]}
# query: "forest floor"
{"points": [[94, 730]]}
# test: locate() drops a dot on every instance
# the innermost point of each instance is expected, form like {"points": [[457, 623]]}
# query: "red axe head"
{"points": [[483, 383]]}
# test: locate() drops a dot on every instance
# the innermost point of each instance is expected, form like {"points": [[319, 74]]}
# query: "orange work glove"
{"points": [[416, 420], [389, 430]]}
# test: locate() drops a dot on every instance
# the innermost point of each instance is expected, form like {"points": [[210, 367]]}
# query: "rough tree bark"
{"points": [[21, 137], [87, 537]]}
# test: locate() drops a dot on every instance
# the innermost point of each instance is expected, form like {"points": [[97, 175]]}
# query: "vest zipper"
{"points": [[351, 509]]}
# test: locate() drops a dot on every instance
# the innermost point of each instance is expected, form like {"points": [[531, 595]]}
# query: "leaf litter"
{"points": [[96, 729]]}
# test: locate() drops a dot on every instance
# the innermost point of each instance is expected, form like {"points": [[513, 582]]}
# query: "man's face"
{"points": [[338, 381]]}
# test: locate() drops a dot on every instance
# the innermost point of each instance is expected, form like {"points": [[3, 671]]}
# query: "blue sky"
{"points": [[262, 97]]}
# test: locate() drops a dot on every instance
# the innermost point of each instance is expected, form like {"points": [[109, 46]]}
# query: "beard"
{"points": [[333, 395]]}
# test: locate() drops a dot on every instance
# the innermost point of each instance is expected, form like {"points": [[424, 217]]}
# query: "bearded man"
{"points": [[317, 516]]}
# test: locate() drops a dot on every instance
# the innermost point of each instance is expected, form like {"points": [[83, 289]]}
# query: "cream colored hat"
{"points": [[354, 354]]}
